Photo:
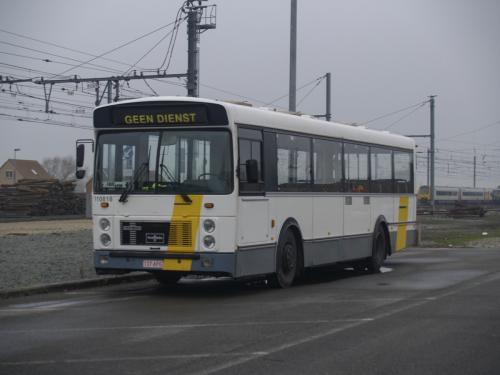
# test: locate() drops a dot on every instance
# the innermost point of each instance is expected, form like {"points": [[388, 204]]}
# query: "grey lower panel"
{"points": [[336, 250], [393, 236], [256, 261]]}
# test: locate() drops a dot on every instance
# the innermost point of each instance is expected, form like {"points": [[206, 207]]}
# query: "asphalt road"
{"points": [[431, 312]]}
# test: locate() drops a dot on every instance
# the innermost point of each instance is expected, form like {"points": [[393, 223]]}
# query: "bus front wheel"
{"points": [[167, 278], [286, 261]]}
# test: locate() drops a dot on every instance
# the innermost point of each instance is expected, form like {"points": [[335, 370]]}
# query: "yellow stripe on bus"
{"points": [[184, 226], [403, 218]]}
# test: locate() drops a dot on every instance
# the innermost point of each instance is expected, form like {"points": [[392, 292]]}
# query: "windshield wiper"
{"points": [[144, 166], [172, 178], [169, 174]]}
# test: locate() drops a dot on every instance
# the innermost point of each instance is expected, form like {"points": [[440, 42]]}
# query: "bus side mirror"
{"points": [[252, 169], [80, 155], [80, 174]]}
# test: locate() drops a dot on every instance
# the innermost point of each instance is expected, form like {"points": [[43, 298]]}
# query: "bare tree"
{"points": [[62, 168]]}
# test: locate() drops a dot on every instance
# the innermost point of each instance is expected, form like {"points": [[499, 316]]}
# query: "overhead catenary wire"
{"points": [[88, 54], [80, 63], [147, 84], [119, 47], [55, 101], [148, 52], [55, 94], [311, 90], [394, 112], [173, 33], [494, 145], [405, 116], [173, 39], [471, 131], [160, 81], [46, 122], [60, 46], [299, 88], [41, 111]]}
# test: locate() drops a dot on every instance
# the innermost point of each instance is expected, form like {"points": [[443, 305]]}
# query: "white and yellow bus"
{"points": [[193, 186]]}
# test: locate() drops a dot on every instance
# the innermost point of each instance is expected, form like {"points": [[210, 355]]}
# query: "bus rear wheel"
{"points": [[286, 262]]}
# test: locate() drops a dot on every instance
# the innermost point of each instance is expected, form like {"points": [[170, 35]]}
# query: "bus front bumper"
{"points": [[119, 262]]}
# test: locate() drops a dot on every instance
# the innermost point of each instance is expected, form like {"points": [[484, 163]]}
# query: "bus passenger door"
{"points": [[253, 205]]}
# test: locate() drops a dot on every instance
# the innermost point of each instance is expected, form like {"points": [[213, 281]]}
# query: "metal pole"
{"points": [[117, 91], [328, 97], [474, 170], [47, 97], [97, 97], [110, 93], [433, 153], [192, 79], [293, 57], [428, 169], [15, 158]]}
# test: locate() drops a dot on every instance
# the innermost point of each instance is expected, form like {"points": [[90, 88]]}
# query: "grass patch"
{"points": [[458, 232]]}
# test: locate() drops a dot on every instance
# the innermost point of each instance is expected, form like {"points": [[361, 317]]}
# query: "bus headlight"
{"points": [[209, 225], [105, 239], [104, 224], [209, 242]]}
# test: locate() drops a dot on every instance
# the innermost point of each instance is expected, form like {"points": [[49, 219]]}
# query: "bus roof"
{"points": [[266, 117]]}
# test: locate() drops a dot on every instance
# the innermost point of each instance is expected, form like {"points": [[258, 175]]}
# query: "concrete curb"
{"points": [[74, 285]]}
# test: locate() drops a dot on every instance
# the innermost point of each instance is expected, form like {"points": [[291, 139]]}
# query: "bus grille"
{"points": [[180, 234]]}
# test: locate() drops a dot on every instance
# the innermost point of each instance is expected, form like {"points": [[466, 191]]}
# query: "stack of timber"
{"points": [[40, 198]]}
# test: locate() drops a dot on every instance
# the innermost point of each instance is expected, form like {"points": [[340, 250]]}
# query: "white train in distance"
{"points": [[447, 195]]}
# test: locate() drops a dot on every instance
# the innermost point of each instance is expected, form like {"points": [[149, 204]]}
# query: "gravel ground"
{"points": [[43, 252], [43, 258]]}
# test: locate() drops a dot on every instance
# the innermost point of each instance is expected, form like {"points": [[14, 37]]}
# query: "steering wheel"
{"points": [[206, 174]]}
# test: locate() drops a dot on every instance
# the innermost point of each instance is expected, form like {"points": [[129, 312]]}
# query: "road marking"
{"points": [[57, 305], [121, 359], [43, 306], [185, 326]]}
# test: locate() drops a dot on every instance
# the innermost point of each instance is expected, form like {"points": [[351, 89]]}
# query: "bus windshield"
{"points": [[164, 162]]}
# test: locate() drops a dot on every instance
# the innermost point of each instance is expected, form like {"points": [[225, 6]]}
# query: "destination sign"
{"points": [[160, 116]]}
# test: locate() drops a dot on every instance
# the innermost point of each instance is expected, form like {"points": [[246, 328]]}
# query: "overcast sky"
{"points": [[384, 55]]}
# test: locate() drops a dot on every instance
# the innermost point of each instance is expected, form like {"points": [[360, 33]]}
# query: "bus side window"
{"points": [[356, 167], [250, 148], [381, 170], [293, 162], [327, 164], [403, 172]]}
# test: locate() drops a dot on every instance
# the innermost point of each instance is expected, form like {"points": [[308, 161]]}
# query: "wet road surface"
{"points": [[432, 311]]}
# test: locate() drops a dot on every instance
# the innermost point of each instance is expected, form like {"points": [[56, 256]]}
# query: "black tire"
{"points": [[359, 266], [167, 278], [379, 251], [287, 261]]}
